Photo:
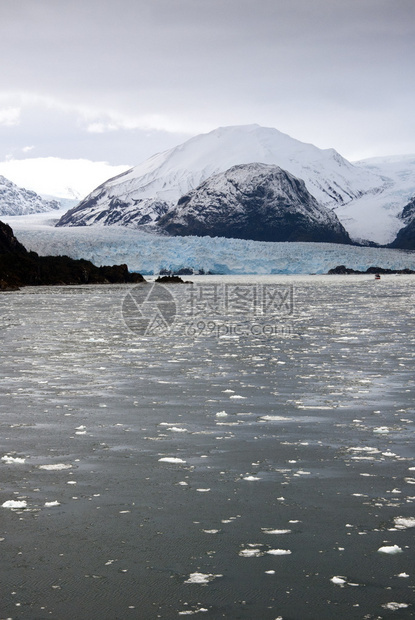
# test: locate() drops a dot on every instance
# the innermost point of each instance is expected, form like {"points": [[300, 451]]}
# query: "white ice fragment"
{"points": [[171, 459], [395, 606], [182, 483], [211, 531], [391, 549], [237, 396], [201, 578], [270, 531], [177, 429], [191, 612], [12, 459], [12, 503], [55, 466], [251, 478], [410, 480], [71, 482], [404, 523], [221, 414], [279, 552], [203, 490], [51, 504], [270, 572], [405, 575], [250, 553], [381, 430], [339, 581], [80, 428], [228, 391]]}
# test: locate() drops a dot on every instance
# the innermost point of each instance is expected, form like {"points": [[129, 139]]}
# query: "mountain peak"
{"points": [[16, 200], [167, 176]]}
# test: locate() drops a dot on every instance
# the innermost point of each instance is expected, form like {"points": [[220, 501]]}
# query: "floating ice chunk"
{"points": [[177, 429], [391, 549], [389, 453], [405, 575], [270, 531], [251, 478], [80, 432], [339, 581], [404, 523], [80, 428], [395, 606], [274, 418], [237, 396], [270, 572], [228, 391], [279, 552], [191, 612], [51, 504], [182, 483], [55, 466], [12, 459], [201, 578], [14, 503], [410, 480], [171, 459], [221, 414], [203, 490], [211, 531], [251, 553], [381, 430]]}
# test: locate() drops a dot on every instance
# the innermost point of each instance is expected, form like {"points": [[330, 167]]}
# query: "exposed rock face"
{"points": [[8, 242], [16, 200], [405, 239], [18, 267], [254, 201]]}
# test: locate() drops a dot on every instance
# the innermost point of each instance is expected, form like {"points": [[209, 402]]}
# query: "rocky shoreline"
{"points": [[18, 267]]}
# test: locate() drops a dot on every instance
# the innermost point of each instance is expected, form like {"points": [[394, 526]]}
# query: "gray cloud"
{"points": [[330, 72]]}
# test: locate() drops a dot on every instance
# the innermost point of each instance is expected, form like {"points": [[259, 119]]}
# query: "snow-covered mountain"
{"points": [[16, 200], [158, 183], [405, 238], [254, 201], [377, 217]]}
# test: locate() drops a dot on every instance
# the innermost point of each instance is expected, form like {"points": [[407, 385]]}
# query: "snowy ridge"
{"points": [[254, 201], [16, 200], [150, 253], [167, 176]]}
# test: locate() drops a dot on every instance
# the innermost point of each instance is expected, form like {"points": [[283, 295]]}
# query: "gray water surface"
{"points": [[290, 460]]}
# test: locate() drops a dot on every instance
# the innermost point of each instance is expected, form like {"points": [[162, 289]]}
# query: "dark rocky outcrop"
{"points": [[18, 267], [254, 201], [405, 239], [343, 270]]}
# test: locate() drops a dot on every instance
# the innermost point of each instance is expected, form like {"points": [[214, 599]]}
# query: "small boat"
{"points": [[377, 276]]}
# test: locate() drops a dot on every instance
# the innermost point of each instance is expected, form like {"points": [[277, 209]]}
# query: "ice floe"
{"points": [[391, 549], [55, 467], [9, 460], [171, 459], [201, 578], [14, 503]]}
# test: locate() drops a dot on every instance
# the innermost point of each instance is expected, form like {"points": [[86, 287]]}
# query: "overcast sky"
{"points": [[118, 80]]}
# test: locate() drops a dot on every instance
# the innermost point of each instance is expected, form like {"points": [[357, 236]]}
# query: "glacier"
{"points": [[149, 254]]}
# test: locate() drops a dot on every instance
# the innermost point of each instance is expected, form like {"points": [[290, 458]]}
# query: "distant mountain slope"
{"points": [[254, 201], [405, 238], [143, 194], [377, 217], [16, 200]]}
